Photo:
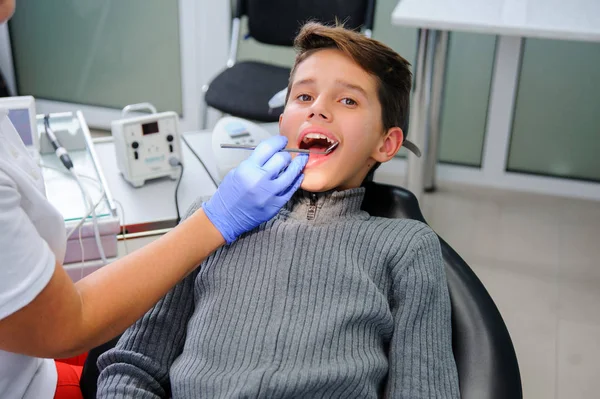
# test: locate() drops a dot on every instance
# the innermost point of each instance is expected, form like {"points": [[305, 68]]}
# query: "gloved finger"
{"points": [[288, 177], [285, 196], [267, 148], [277, 164]]}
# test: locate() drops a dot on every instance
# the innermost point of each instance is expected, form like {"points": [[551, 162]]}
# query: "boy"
{"points": [[323, 301]]}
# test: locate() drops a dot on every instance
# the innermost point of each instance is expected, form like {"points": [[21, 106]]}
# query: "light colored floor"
{"points": [[539, 257]]}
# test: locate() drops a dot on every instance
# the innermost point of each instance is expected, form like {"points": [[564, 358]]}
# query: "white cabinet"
{"points": [[79, 270]]}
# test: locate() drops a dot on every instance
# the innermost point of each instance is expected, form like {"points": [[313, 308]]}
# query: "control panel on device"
{"points": [[148, 146]]}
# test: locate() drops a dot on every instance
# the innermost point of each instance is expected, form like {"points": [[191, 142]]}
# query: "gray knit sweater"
{"points": [[323, 301]]}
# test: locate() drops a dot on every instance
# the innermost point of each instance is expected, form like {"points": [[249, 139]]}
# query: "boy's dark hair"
{"points": [[391, 71]]}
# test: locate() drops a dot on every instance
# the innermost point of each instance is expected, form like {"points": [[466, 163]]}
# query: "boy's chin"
{"points": [[316, 183]]}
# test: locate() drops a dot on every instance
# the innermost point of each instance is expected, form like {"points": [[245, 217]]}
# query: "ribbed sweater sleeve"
{"points": [[421, 363]]}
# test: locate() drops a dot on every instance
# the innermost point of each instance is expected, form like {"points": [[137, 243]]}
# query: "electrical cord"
{"points": [[82, 254], [92, 179], [176, 191], [65, 159], [87, 215], [91, 208], [199, 160], [123, 225], [70, 233], [173, 161], [89, 212], [102, 195]]}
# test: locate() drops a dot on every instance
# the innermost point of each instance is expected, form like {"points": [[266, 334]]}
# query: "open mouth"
{"points": [[316, 142]]}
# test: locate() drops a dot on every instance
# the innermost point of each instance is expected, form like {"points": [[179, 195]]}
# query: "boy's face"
{"points": [[332, 96]]}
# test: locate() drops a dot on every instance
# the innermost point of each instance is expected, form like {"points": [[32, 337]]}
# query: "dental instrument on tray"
{"points": [[301, 151], [60, 151]]}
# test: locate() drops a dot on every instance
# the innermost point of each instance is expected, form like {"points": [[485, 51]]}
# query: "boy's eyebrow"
{"points": [[307, 81], [338, 82], [351, 86]]}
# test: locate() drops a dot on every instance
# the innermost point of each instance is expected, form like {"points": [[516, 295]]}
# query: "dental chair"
{"points": [[244, 89], [483, 350]]}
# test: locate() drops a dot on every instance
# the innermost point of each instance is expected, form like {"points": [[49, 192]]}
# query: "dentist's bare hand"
{"points": [[256, 190]]}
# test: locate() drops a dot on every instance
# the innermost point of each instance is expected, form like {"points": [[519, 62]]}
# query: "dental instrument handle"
{"points": [[60, 151], [250, 147]]}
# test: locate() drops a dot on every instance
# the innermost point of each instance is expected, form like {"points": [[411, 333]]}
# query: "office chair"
{"points": [[483, 350], [244, 89]]}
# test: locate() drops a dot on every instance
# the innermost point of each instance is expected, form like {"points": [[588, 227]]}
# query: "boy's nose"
{"points": [[319, 112], [320, 115]]}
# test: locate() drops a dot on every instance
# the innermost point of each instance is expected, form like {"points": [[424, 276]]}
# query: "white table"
{"points": [[549, 19]]}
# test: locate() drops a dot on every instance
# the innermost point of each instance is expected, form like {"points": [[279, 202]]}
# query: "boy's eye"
{"points": [[348, 101], [304, 97]]}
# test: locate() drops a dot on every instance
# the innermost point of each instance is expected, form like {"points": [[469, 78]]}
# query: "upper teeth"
{"points": [[309, 136]]}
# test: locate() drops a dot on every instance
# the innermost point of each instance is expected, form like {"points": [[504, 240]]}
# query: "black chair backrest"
{"points": [[88, 383], [277, 22], [483, 350]]}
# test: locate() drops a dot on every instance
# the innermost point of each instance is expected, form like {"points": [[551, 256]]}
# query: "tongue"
{"points": [[318, 148]]}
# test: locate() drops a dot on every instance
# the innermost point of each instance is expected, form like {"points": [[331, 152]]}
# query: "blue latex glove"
{"points": [[256, 190]]}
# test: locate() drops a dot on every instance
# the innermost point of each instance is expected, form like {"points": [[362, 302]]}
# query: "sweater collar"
{"points": [[326, 206]]}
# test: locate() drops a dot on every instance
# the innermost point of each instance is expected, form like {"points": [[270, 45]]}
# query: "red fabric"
{"points": [[75, 361], [69, 374]]}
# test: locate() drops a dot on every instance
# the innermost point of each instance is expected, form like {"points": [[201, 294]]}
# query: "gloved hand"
{"points": [[256, 190]]}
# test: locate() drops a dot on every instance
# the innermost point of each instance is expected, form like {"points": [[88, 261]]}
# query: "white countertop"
{"points": [[152, 206], [552, 19]]}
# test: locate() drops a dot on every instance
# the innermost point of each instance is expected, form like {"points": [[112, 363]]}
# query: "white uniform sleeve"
{"points": [[26, 261]]}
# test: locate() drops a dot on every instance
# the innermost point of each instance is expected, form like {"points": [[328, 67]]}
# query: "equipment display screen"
{"points": [[22, 124], [149, 128]]}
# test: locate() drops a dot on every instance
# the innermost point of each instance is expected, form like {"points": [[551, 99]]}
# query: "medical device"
{"points": [[59, 150], [236, 131], [70, 166], [21, 112], [296, 150], [147, 145]]}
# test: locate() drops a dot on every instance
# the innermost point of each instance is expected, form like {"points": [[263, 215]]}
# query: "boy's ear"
{"points": [[390, 145], [280, 119]]}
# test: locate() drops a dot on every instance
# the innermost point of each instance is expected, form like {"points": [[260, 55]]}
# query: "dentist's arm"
{"points": [[66, 319]]}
